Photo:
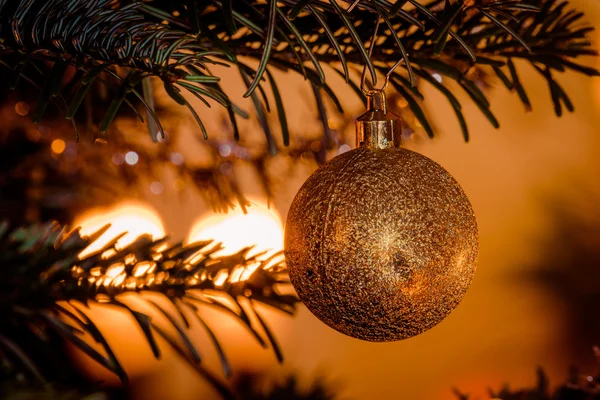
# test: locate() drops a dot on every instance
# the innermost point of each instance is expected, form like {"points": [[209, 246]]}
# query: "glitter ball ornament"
{"points": [[381, 242]]}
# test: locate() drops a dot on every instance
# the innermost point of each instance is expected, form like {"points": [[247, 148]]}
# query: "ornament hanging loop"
{"points": [[376, 100], [363, 79], [378, 128]]}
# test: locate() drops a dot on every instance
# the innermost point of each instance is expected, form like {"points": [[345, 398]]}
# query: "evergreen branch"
{"points": [[577, 386], [44, 282], [167, 40]]}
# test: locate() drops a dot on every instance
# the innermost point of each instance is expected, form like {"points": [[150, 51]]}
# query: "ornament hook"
{"points": [[377, 128], [377, 95], [372, 92]]}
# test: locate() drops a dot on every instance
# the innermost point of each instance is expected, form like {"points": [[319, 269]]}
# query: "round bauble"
{"points": [[381, 244]]}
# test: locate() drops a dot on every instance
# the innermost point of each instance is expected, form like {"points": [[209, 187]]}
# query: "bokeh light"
{"points": [[134, 218], [131, 158], [261, 227], [58, 146]]}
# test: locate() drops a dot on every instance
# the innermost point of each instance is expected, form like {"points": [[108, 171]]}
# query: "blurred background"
{"points": [[533, 185]]}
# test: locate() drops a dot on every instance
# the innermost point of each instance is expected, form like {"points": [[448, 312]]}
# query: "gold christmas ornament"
{"points": [[381, 242]]}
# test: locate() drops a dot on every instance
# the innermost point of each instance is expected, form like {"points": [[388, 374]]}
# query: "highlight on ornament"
{"points": [[381, 242]]}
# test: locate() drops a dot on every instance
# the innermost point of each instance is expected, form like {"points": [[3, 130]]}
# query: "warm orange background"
{"points": [[504, 328]]}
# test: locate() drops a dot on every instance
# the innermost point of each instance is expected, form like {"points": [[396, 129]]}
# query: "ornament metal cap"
{"points": [[378, 128]]}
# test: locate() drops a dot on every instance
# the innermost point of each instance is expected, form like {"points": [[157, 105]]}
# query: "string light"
{"points": [[22, 108], [226, 168], [344, 148], [402, 103], [334, 123], [131, 158], [156, 187], [176, 158], [118, 159], [58, 146], [225, 150]]}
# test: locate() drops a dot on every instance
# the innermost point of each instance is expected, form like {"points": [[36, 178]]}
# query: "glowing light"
{"points": [[437, 77], [226, 168], [176, 158], [334, 123], [118, 159], [132, 158], [22, 108], [344, 148], [261, 227], [402, 102], [156, 187], [134, 218], [58, 146], [225, 150]]}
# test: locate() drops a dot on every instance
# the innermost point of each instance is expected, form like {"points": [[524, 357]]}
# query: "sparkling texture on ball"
{"points": [[381, 245]]}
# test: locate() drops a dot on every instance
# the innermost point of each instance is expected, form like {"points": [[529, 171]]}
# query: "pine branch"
{"points": [[45, 285], [578, 386], [129, 41]]}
